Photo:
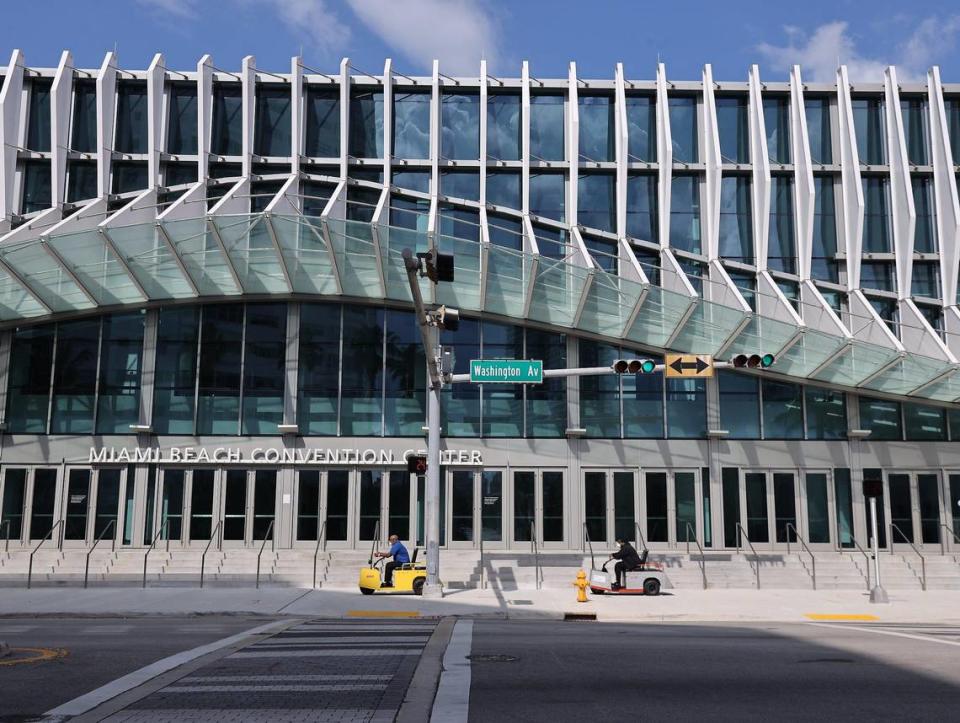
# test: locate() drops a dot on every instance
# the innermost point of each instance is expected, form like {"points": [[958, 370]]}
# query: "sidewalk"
{"points": [[678, 605]]}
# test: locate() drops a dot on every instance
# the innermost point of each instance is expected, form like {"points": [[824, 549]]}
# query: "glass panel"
{"points": [[876, 215], [263, 367], [597, 128], [954, 504], [84, 127], [757, 523], [924, 423], [707, 507], [227, 119], [460, 184], [264, 503], [730, 477], [78, 502], [411, 125], [844, 496], [685, 213], [782, 250], [547, 195], [31, 361], [406, 377], [75, 377], [882, 528], [686, 409], [881, 417], [502, 404], [503, 127], [686, 500], [399, 521], [81, 180], [308, 505], [524, 505], [641, 127], [782, 410], [595, 505], [597, 201], [928, 489], [461, 506], [503, 189], [734, 128], [202, 257], [323, 122], [98, 269], [42, 503], [826, 413], [926, 281], [338, 494], [221, 349], [149, 529], [131, 117], [624, 512], [36, 186], [182, 119], [118, 404], [817, 111], [235, 505], [460, 403], [272, 123], [38, 116], [818, 508], [642, 207], [171, 504], [643, 404], [739, 405], [683, 128], [870, 129], [201, 504], [925, 238], [362, 384], [546, 127], [914, 114], [491, 505], [776, 121], [14, 499], [785, 507], [736, 220], [366, 124], [824, 266], [553, 506], [460, 126], [599, 395], [371, 484], [175, 374], [656, 497], [547, 403], [901, 511]]}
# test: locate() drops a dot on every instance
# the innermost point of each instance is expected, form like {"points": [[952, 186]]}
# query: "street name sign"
{"points": [[506, 371], [688, 365]]}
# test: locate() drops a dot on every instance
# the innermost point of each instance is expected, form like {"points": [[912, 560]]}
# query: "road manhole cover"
{"points": [[828, 660], [492, 658]]}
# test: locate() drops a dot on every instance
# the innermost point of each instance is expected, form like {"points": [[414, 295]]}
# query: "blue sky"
{"points": [[549, 33]]}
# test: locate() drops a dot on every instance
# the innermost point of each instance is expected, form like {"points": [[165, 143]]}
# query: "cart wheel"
{"points": [[595, 591], [651, 586], [366, 591], [418, 585]]}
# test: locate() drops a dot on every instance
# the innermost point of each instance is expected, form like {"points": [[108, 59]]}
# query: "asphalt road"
{"points": [[600, 671], [97, 651]]}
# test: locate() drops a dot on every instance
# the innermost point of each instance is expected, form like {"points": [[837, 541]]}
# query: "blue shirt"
{"points": [[399, 553]]}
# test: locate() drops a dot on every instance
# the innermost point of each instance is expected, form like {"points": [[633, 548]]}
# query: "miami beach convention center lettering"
{"points": [[271, 455]]}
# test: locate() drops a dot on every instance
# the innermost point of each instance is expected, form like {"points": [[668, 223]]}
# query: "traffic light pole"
{"points": [[430, 336], [576, 372]]}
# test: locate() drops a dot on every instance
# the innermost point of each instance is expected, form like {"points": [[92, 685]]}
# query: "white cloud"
{"points": [[828, 46], [185, 9], [315, 21], [459, 33]]}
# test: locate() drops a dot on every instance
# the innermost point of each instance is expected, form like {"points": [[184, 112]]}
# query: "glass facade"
{"points": [[227, 134], [38, 115], [817, 112], [547, 195], [642, 206], [781, 244], [597, 201], [547, 118], [870, 128], [776, 121], [876, 215], [913, 111], [597, 128], [322, 111], [683, 128], [925, 234], [460, 126], [271, 125], [131, 117], [182, 119], [685, 213], [734, 127], [641, 128], [411, 125], [736, 219], [503, 127], [366, 124]]}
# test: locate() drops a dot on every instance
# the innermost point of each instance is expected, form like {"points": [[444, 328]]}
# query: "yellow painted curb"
{"points": [[383, 614], [841, 617]]}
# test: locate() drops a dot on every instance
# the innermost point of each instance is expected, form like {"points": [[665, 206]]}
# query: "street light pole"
{"points": [[877, 594]]}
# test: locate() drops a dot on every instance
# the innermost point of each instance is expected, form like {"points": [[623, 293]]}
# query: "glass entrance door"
{"points": [[385, 497], [672, 509], [475, 508], [609, 505], [818, 529], [914, 508], [538, 504], [77, 507], [13, 504], [43, 502], [765, 506]]}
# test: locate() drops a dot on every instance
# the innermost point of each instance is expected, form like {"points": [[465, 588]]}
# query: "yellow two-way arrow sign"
{"points": [[688, 365]]}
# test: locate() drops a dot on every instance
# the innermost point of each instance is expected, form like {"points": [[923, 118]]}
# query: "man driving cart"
{"points": [[400, 557], [627, 560]]}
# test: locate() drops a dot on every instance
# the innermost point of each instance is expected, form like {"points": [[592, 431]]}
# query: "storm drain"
{"points": [[492, 658], [579, 616]]}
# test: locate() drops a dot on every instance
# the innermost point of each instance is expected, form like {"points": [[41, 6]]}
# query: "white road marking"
{"points": [[10, 629], [276, 678], [106, 630], [325, 653], [252, 715], [371, 639], [293, 688], [452, 704], [114, 688], [894, 633]]}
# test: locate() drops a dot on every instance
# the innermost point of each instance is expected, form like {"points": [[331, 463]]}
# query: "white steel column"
{"points": [[344, 117], [10, 115], [712, 161], [106, 110], [204, 115], [525, 137], [387, 122], [664, 156], [945, 192], [60, 94], [760, 159], [573, 143], [484, 93], [803, 186], [248, 83], [622, 148], [850, 189], [156, 74], [901, 193], [296, 114], [435, 135]]}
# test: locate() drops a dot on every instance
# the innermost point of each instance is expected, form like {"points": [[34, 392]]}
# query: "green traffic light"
{"points": [[767, 360], [648, 366]]}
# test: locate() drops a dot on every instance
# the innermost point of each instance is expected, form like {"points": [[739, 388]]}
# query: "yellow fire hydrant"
{"points": [[581, 584]]}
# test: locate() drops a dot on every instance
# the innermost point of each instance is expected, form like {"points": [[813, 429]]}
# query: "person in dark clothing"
{"points": [[628, 560], [400, 557]]}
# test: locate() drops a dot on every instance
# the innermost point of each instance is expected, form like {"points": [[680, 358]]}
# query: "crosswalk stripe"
{"points": [[294, 688], [327, 653]]}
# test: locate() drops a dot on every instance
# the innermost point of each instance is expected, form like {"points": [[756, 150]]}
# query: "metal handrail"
{"points": [[943, 549], [203, 557], [322, 537], [273, 547], [923, 560], [640, 538], [6, 546], [588, 542], [60, 524], [163, 528], [813, 561], [865, 556], [483, 580], [756, 557], [536, 554], [113, 548], [703, 559]]}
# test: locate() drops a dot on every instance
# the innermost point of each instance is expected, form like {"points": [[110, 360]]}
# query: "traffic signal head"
{"points": [[416, 464], [753, 361], [448, 318], [438, 266], [634, 366]]}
